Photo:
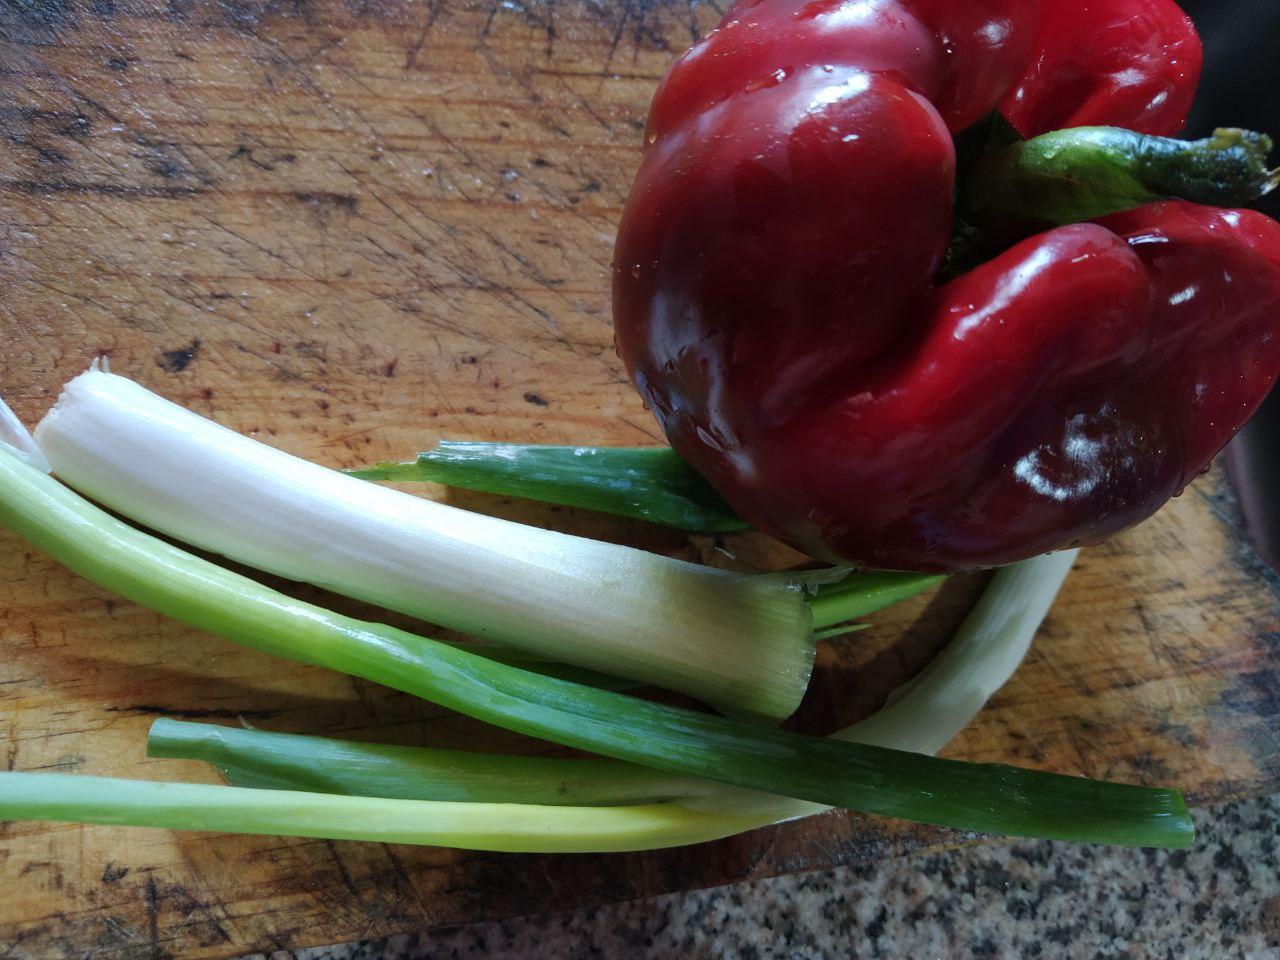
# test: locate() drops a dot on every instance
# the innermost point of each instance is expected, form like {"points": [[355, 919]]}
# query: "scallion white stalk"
{"points": [[925, 713], [743, 644]]}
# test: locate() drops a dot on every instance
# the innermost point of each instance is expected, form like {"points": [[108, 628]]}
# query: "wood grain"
{"points": [[352, 227]]}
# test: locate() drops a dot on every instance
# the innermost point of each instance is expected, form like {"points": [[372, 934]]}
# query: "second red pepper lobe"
{"points": [[1121, 63]]}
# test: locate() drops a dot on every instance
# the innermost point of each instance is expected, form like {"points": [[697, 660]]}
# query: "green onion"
{"points": [[743, 644], [985, 652], [985, 797], [505, 827], [648, 483], [922, 715], [258, 758], [550, 668], [839, 630], [858, 594]]}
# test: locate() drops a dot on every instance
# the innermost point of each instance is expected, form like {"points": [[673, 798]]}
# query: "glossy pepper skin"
{"points": [[776, 306]]}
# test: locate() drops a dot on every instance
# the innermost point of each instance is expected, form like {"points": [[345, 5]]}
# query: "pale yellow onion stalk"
{"points": [[501, 827], [744, 644]]}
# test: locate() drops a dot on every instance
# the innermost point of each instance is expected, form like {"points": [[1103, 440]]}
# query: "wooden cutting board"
{"points": [[351, 228]]}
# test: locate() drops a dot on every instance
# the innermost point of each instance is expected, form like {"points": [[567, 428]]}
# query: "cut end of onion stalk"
{"points": [[15, 436], [742, 644]]}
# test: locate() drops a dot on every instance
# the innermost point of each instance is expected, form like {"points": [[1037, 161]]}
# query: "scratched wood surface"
{"points": [[352, 227]]}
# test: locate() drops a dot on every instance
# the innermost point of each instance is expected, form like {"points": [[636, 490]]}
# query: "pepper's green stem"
{"points": [[1086, 172]]}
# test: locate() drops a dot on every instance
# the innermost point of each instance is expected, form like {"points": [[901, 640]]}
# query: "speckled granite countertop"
{"points": [[1220, 899]]}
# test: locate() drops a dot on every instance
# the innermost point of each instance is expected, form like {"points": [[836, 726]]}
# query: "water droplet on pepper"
{"points": [[768, 80]]}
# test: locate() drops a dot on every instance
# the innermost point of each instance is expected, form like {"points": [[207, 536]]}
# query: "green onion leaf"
{"points": [[283, 761], [861, 593], [648, 483]]}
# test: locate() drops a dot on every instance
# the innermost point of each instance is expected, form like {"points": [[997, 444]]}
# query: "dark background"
{"points": [[1241, 88]]}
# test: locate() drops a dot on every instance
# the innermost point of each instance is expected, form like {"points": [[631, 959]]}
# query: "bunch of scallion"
{"points": [[668, 775]]}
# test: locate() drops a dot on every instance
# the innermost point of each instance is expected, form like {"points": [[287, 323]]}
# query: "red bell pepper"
{"points": [[777, 301]]}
